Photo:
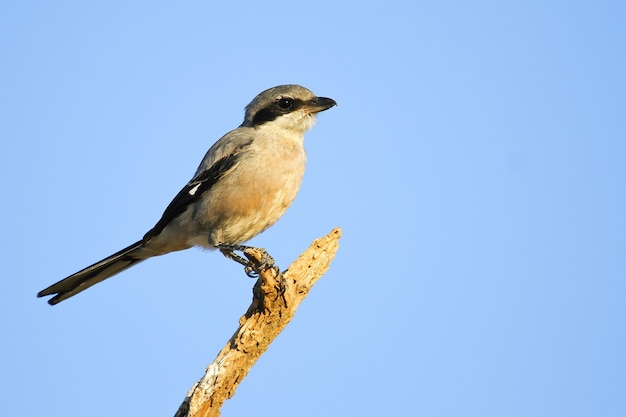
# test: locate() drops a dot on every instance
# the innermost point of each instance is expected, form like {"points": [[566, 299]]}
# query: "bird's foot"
{"points": [[251, 266]]}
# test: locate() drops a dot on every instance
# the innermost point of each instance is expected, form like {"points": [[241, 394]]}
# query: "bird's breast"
{"points": [[254, 194]]}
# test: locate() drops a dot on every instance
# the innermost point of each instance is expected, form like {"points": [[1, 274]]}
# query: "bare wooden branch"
{"points": [[275, 300]]}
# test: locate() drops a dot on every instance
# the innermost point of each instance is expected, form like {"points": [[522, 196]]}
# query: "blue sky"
{"points": [[476, 163]]}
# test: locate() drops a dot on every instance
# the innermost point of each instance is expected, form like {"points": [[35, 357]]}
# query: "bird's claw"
{"points": [[251, 268], [250, 272]]}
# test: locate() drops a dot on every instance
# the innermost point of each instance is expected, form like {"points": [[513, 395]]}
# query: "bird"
{"points": [[243, 185]]}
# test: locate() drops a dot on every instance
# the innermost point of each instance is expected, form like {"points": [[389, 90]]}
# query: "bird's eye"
{"points": [[285, 103]]}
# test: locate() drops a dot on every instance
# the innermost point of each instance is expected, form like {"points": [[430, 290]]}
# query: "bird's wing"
{"points": [[194, 189]]}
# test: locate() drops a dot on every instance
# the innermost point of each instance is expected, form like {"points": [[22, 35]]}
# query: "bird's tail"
{"points": [[95, 273]]}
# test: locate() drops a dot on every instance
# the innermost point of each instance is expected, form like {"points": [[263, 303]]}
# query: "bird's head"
{"points": [[290, 107]]}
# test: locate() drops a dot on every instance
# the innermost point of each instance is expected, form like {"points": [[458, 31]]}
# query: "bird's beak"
{"points": [[319, 104]]}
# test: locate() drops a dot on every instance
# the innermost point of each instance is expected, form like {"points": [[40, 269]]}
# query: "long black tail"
{"points": [[95, 273]]}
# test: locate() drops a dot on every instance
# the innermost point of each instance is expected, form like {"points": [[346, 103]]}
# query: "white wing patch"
{"points": [[194, 189]]}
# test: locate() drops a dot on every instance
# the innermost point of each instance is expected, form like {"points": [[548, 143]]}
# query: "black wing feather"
{"points": [[203, 182]]}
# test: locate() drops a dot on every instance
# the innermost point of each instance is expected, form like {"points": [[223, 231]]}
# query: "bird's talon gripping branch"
{"points": [[251, 266], [249, 270], [266, 262], [229, 252]]}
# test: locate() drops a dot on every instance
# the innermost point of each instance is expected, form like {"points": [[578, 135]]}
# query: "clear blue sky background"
{"points": [[476, 163]]}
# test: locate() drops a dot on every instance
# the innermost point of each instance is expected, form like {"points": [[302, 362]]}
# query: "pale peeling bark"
{"points": [[276, 298]]}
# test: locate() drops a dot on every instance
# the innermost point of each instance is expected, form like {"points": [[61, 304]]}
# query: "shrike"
{"points": [[243, 185]]}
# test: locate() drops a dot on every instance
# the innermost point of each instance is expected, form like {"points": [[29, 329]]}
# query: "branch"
{"points": [[276, 297]]}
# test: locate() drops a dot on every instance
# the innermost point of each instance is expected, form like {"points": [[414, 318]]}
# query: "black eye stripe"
{"points": [[282, 105]]}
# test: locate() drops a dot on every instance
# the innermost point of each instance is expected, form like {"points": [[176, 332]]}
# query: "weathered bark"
{"points": [[276, 297]]}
